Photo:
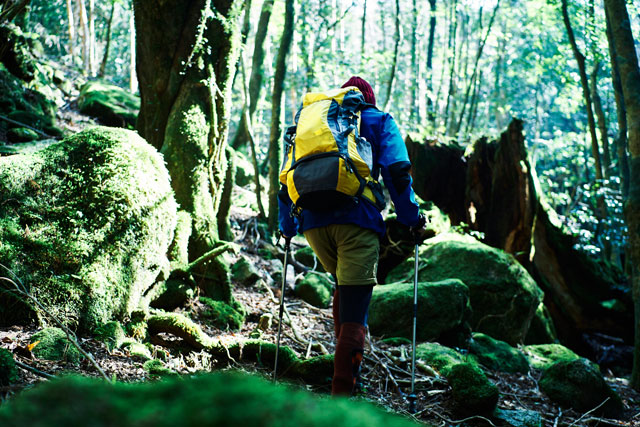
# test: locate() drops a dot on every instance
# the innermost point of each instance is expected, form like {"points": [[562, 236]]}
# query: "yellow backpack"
{"points": [[327, 162]]}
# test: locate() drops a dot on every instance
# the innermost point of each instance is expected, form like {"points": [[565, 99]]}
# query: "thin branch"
{"points": [[15, 122], [34, 370], [589, 412]]}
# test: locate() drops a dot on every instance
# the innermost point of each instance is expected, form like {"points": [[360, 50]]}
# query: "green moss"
{"points": [[221, 314], [503, 295], [180, 326], [244, 272], [497, 355], [174, 292], [22, 135], [179, 249], [156, 367], [137, 350], [542, 330], [112, 334], [229, 399], [244, 170], [579, 384], [8, 369], [471, 389], [316, 370], [541, 356], [316, 289], [96, 214], [443, 309], [52, 344], [307, 257], [111, 105], [439, 357]]}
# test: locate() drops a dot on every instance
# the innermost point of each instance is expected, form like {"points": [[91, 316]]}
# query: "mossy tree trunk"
{"points": [[275, 147], [630, 79], [494, 189], [186, 55]]}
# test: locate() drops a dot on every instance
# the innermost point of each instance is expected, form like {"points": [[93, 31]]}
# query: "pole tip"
{"points": [[412, 403]]}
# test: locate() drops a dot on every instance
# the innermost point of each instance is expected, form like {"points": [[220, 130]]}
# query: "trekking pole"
{"points": [[412, 397], [287, 241]]}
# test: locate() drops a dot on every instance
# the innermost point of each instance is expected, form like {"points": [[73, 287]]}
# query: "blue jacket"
{"points": [[390, 158]]}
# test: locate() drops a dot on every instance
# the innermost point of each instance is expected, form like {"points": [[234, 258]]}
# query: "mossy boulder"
{"points": [[22, 135], [53, 344], [504, 297], [111, 105], [112, 334], [8, 369], [244, 272], [156, 367], [443, 310], [244, 169], [15, 53], [222, 315], [542, 329], [519, 418], [471, 389], [231, 399], [316, 289], [542, 356], [497, 355], [174, 292], [95, 213], [578, 384], [307, 257]]}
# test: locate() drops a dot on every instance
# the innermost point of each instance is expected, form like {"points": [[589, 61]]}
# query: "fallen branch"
{"points": [[22, 290], [384, 366], [34, 370], [15, 122], [589, 412]]}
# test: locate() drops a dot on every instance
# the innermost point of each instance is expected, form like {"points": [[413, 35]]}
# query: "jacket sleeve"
{"points": [[395, 168], [288, 224]]}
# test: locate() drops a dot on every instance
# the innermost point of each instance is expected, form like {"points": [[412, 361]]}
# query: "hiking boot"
{"points": [[348, 358]]}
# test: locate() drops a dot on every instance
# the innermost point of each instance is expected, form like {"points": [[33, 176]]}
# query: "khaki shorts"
{"points": [[348, 251]]}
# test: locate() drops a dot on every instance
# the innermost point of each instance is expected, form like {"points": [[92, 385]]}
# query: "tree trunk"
{"points": [[255, 82], [394, 64], [363, 33], [602, 122], [432, 33], [275, 148], [72, 30], [453, 30], [495, 191], [621, 139], [630, 78], [133, 81], [92, 38], [84, 26], [413, 84], [475, 68], [107, 45], [186, 55]]}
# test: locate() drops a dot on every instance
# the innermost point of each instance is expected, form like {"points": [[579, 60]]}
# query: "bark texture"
{"points": [[186, 55], [494, 190], [630, 78]]}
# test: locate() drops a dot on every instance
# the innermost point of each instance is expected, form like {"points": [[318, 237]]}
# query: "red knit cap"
{"points": [[364, 87]]}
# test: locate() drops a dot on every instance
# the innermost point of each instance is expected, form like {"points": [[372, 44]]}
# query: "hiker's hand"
{"points": [[287, 239], [418, 230]]}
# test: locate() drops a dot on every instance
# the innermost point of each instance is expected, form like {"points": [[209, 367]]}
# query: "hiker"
{"points": [[346, 238]]}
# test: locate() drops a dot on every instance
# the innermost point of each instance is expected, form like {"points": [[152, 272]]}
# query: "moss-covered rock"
{"points": [[137, 350], [316, 370], [111, 105], [15, 53], [443, 310], [53, 344], [578, 384], [156, 367], [244, 272], [503, 296], [472, 390], [8, 369], [215, 399], [307, 257], [542, 329], [96, 213], [112, 334], [22, 135], [221, 314], [497, 355], [316, 289], [519, 418], [174, 292], [542, 356]]}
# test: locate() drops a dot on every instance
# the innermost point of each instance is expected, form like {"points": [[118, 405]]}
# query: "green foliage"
{"points": [[53, 344], [95, 213], [213, 399], [8, 369]]}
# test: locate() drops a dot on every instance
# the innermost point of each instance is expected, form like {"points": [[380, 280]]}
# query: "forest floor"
{"points": [[309, 332]]}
